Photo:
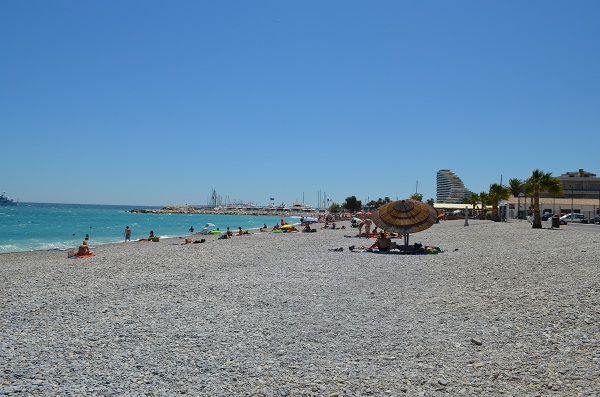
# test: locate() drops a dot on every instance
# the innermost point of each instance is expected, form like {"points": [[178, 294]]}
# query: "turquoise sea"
{"points": [[40, 226]]}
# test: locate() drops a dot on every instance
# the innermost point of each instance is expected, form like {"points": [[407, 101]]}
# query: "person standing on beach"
{"points": [[127, 233], [368, 222]]}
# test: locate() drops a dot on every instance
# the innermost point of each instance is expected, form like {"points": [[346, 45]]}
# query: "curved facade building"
{"points": [[450, 189]]}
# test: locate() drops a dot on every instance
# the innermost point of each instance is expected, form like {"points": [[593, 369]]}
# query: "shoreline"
{"points": [[190, 209], [505, 310]]}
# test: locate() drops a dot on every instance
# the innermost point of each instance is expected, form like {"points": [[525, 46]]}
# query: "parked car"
{"points": [[571, 218], [546, 216], [596, 220]]}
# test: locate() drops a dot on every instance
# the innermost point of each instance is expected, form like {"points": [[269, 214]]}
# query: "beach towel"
{"points": [[81, 256]]}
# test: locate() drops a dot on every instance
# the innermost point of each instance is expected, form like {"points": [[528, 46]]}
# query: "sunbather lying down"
{"points": [[416, 248]]}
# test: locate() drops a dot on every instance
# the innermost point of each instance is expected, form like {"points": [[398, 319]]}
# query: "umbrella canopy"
{"points": [[355, 219], [404, 217]]}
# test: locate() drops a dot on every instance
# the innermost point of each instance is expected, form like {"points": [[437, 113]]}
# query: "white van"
{"points": [[571, 218]]}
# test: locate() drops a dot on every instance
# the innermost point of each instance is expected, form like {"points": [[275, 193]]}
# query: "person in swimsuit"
{"points": [[360, 226], [384, 243], [368, 223], [127, 233], [83, 249]]}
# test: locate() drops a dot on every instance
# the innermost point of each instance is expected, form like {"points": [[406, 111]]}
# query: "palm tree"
{"points": [[541, 182], [484, 199], [497, 194], [516, 187], [472, 200]]}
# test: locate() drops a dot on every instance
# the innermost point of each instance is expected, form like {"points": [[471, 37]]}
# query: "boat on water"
{"points": [[5, 200], [301, 207], [282, 207]]}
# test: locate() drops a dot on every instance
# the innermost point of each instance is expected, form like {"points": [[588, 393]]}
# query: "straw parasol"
{"points": [[405, 217]]}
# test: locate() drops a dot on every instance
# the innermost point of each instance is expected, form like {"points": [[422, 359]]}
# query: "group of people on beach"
{"points": [[366, 223], [127, 234], [383, 241]]}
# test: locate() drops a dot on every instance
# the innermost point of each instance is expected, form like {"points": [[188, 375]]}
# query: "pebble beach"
{"points": [[505, 310]]}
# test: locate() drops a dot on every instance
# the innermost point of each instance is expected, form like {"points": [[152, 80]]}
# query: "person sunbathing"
{"points": [[383, 242], [84, 249]]}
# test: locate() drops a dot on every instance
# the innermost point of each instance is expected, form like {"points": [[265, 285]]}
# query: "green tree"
{"points": [[472, 200], [430, 202], [516, 187], [417, 197], [334, 208], [352, 204], [484, 199], [541, 182], [374, 204], [497, 193]]}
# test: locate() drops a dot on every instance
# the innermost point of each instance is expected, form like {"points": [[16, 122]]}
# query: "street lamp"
{"points": [[519, 204], [572, 202]]}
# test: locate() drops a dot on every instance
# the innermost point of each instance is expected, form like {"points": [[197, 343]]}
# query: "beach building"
{"points": [[450, 188], [581, 195], [580, 184]]}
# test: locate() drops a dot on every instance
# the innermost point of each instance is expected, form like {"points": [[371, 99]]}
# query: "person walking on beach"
{"points": [[127, 233]]}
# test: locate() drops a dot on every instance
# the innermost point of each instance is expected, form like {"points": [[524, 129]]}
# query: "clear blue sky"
{"points": [[158, 103]]}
